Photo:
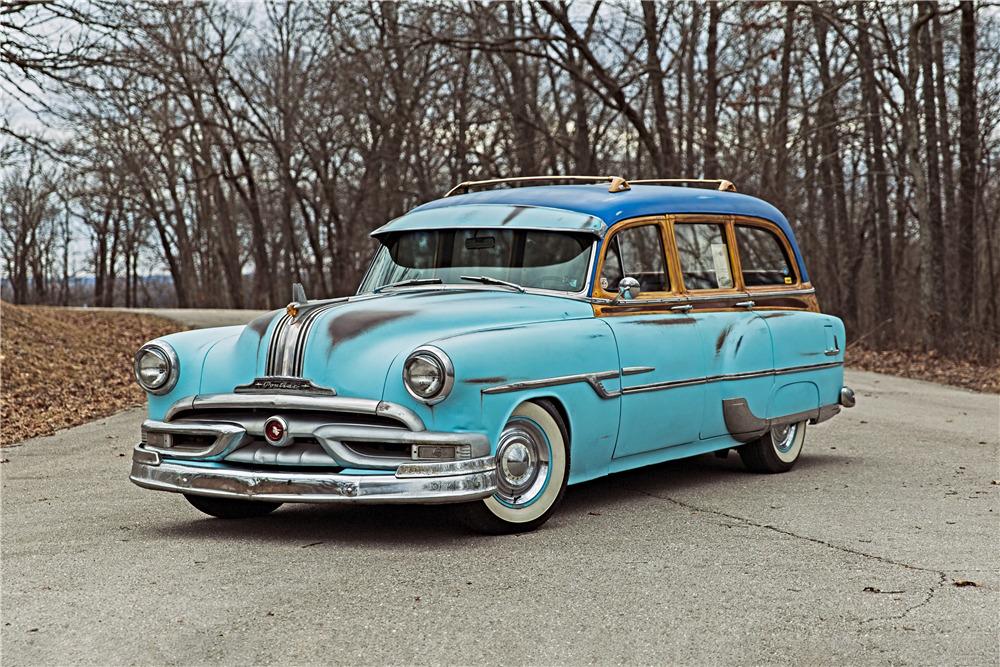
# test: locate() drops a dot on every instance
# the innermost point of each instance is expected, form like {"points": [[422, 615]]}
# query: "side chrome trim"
{"points": [[363, 406], [595, 379]]}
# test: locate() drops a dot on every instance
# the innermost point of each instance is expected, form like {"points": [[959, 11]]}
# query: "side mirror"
{"points": [[628, 288]]}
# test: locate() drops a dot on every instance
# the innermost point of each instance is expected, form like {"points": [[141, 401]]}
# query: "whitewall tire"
{"points": [[775, 451], [533, 462]]}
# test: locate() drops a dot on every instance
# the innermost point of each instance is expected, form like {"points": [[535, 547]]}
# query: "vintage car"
{"points": [[507, 342]]}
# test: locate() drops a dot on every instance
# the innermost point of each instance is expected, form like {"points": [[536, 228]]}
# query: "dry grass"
{"points": [[927, 366], [61, 367]]}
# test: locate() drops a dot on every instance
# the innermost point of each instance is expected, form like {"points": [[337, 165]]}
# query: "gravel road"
{"points": [[858, 555]]}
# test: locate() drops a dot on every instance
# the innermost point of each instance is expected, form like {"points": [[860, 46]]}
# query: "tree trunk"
{"points": [[933, 279], [663, 160], [968, 149], [780, 142], [947, 163], [884, 277], [712, 93]]}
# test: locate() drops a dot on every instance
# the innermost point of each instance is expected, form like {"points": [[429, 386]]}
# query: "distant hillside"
{"points": [[61, 367]]}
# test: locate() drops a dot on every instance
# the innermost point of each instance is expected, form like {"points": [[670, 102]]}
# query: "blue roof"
{"points": [[614, 207]]}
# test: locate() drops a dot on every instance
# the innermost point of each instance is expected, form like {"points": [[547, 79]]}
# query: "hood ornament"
{"points": [[298, 299]]}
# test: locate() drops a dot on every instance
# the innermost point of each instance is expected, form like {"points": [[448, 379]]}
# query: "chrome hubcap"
{"points": [[783, 437], [522, 462]]}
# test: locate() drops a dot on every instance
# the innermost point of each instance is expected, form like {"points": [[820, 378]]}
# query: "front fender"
{"points": [[501, 356], [193, 348]]}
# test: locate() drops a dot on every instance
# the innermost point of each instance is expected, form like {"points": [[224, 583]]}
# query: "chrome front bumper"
{"points": [[426, 483], [213, 445]]}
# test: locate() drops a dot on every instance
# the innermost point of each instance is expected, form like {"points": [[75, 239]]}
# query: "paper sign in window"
{"points": [[720, 258]]}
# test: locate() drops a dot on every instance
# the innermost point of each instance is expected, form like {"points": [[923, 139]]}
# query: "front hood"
{"points": [[349, 345]]}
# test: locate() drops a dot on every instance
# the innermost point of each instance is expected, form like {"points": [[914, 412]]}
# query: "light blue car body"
{"points": [[673, 381]]}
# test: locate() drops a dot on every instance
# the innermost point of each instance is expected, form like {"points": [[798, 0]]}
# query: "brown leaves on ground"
{"points": [[60, 367], [928, 366]]}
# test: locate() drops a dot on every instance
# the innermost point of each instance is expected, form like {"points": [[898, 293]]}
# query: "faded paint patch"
{"points": [[354, 323], [518, 210], [667, 321], [259, 324], [723, 335]]}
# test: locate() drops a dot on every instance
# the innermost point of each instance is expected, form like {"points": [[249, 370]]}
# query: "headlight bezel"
{"points": [[167, 353], [439, 358]]}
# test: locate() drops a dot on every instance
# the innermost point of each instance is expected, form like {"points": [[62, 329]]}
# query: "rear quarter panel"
{"points": [[805, 339]]}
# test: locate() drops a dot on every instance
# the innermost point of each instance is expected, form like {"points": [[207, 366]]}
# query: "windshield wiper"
{"points": [[486, 280], [408, 283]]}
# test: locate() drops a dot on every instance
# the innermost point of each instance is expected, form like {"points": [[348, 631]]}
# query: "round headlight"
{"points": [[156, 367], [428, 374]]}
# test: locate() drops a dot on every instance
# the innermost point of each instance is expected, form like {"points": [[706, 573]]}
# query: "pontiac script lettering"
{"points": [[282, 385]]}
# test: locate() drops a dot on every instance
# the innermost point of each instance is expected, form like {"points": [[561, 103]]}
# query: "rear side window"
{"points": [[704, 256], [762, 257], [636, 252]]}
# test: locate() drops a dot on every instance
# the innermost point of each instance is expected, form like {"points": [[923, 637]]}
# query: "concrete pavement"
{"points": [[855, 556]]}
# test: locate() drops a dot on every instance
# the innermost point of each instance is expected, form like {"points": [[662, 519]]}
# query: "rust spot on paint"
{"points": [[780, 313], [490, 380], [721, 340], [259, 324], [354, 323]]}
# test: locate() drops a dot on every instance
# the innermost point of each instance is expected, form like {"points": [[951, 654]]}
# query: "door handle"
{"points": [[682, 309], [745, 304]]}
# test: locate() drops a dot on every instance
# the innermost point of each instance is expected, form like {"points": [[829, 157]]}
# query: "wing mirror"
{"points": [[628, 288]]}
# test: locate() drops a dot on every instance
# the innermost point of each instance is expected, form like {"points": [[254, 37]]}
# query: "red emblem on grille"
{"points": [[276, 431]]}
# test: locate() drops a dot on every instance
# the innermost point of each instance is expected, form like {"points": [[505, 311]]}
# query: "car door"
{"points": [[659, 348], [738, 355]]}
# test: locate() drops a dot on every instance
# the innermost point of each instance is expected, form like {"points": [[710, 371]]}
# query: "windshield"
{"points": [[542, 259]]}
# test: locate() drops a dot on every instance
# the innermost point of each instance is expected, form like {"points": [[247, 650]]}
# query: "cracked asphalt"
{"points": [[882, 546]]}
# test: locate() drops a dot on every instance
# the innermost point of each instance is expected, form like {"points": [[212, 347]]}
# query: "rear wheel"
{"points": [[532, 469], [229, 508], [775, 451]]}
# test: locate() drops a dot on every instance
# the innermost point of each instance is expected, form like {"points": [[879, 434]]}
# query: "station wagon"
{"points": [[510, 339]]}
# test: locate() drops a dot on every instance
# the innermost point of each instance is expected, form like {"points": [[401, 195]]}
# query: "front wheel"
{"points": [[775, 451], [532, 468], [228, 508]]}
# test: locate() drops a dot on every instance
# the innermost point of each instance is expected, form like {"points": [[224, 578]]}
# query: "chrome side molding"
{"points": [[595, 379]]}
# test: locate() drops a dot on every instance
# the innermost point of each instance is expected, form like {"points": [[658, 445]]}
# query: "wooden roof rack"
{"points": [[617, 183], [719, 183]]}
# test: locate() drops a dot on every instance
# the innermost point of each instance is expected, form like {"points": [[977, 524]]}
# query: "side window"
{"points": [[636, 252], [704, 257], [762, 257]]}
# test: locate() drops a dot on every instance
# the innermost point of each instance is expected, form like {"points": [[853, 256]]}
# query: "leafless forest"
{"points": [[238, 147]]}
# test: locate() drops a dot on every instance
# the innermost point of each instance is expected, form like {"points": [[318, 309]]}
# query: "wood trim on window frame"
{"points": [[661, 222], [767, 225], [659, 302]]}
